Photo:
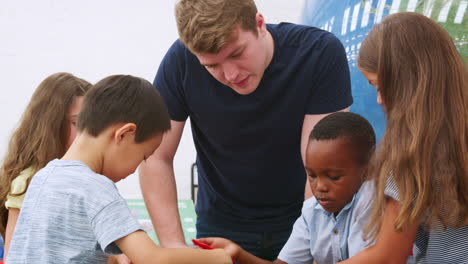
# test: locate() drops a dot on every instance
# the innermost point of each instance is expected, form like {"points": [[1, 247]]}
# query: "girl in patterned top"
{"points": [[46, 130], [421, 166]]}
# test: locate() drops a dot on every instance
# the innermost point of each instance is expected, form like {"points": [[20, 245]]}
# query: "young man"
{"points": [[72, 212], [253, 92], [331, 226]]}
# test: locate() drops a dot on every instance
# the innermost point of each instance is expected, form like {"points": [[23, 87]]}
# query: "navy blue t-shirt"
{"points": [[251, 175]]}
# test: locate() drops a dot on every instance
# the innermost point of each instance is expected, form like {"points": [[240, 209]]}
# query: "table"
{"points": [[187, 218]]}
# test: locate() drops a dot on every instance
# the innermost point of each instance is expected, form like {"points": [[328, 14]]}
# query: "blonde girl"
{"points": [[45, 132], [421, 166]]}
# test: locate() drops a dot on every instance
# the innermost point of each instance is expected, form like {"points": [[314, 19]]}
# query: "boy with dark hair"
{"points": [[72, 212], [330, 228]]}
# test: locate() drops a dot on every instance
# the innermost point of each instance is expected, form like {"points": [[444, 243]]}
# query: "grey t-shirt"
{"points": [[70, 215]]}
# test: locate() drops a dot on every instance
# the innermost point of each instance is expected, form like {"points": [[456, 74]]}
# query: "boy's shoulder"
{"points": [[72, 177], [365, 192], [73, 168], [362, 204], [310, 207], [66, 187]]}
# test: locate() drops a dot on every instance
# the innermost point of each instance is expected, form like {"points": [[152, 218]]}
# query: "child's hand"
{"points": [[221, 256], [217, 242], [119, 259]]}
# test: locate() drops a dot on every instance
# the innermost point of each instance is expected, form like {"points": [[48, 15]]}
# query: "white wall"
{"points": [[93, 39]]}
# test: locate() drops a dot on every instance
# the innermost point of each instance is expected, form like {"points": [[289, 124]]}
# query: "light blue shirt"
{"points": [[318, 235], [70, 215]]}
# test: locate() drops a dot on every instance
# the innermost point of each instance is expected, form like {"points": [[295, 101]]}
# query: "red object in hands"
{"points": [[205, 246], [201, 244]]}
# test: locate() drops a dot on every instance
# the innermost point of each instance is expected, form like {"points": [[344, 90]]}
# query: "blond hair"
{"points": [[422, 80], [205, 26], [42, 133]]}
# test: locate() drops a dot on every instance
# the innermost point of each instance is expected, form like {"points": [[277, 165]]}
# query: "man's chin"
{"points": [[244, 91]]}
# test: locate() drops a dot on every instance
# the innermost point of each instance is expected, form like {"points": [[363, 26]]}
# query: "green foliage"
{"points": [[432, 9]]}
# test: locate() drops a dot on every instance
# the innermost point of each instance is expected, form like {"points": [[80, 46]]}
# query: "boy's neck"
{"points": [[87, 149]]}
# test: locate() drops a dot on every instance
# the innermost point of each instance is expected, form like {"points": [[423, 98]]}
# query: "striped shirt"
{"points": [[436, 246]]}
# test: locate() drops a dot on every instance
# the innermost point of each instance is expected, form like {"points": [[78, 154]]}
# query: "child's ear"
{"points": [[123, 131]]}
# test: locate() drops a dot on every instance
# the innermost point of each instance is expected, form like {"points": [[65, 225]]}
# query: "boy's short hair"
{"points": [[124, 99], [205, 26], [348, 125]]}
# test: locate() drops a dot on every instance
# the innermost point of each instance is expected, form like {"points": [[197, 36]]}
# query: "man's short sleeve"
{"points": [[331, 84], [169, 81], [112, 223]]}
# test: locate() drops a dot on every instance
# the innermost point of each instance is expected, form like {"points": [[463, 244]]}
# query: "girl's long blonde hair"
{"points": [[423, 83], [42, 132]]}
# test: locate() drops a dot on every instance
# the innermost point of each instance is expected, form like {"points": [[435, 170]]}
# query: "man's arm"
{"points": [[307, 126], [158, 185]]}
